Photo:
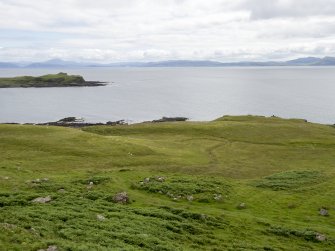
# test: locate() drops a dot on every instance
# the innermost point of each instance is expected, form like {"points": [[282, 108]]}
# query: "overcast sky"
{"points": [[151, 30]]}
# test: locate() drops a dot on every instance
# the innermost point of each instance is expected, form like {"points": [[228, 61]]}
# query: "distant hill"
{"points": [[55, 63], [59, 63], [8, 65]]}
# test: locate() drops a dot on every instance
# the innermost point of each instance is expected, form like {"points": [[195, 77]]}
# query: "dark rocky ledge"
{"points": [[170, 119], [79, 122], [76, 123]]}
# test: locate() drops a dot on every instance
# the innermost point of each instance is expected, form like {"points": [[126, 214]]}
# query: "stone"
{"points": [[217, 197], [160, 178], [189, 198], [101, 217], [323, 212], [320, 237], [146, 180], [242, 206], [50, 248], [90, 185], [121, 198], [62, 190], [42, 199]]}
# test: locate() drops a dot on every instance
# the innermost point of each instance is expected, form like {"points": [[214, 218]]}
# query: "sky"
{"points": [[154, 30]]}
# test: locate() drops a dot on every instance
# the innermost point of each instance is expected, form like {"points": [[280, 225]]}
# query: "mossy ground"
{"points": [[283, 170]]}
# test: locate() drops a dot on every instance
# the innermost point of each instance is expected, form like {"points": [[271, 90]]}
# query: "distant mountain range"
{"points": [[58, 63]]}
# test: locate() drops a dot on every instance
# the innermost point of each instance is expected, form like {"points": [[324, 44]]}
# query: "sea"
{"points": [[200, 94]]}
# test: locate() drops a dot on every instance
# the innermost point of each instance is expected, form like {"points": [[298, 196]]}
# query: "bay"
{"points": [[204, 93]]}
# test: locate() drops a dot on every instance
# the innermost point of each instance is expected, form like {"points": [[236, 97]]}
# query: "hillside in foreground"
{"points": [[237, 183]]}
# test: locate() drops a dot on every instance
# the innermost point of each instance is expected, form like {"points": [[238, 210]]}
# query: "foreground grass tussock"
{"points": [[237, 183]]}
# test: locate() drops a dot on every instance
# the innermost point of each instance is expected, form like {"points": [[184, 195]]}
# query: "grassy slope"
{"points": [[50, 80], [283, 170]]}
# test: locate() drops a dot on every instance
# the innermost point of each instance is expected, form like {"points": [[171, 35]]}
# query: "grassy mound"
{"points": [[50, 80], [58, 186]]}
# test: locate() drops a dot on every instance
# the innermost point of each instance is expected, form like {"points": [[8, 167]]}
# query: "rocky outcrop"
{"points": [[171, 119], [42, 200], [121, 198], [79, 122]]}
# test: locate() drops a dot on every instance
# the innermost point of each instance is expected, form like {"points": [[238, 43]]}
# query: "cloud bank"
{"points": [[150, 30]]}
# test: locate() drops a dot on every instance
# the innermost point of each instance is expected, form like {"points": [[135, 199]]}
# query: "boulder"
{"points": [[42, 199], [320, 237], [121, 198], [242, 206], [323, 212], [101, 217], [189, 198]]}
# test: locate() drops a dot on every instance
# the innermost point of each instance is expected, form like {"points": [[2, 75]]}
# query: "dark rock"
{"points": [[68, 120], [78, 123], [118, 122], [172, 119]]}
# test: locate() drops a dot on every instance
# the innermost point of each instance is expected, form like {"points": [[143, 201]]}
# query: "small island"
{"points": [[51, 80]]}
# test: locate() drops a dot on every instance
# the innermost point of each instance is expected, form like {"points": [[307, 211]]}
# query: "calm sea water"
{"points": [[140, 94]]}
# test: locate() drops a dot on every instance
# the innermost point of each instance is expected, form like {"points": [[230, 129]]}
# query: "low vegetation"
{"points": [[50, 80], [237, 183]]}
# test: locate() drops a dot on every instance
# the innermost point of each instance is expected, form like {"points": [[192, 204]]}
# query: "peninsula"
{"points": [[51, 80]]}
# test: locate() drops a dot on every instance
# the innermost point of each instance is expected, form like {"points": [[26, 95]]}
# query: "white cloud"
{"points": [[127, 30]]}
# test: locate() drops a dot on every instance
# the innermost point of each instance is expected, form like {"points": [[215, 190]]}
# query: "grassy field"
{"points": [[237, 183], [50, 80]]}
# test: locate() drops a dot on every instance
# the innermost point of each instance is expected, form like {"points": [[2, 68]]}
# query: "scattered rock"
{"points": [[323, 212], [101, 217], [36, 181], [146, 180], [160, 178], [217, 197], [242, 206], [8, 226], [62, 190], [203, 216], [42, 199], [122, 198], [6, 178], [50, 248], [90, 185], [320, 237], [189, 198]]}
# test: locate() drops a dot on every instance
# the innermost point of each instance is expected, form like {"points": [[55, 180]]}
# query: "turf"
{"points": [[50, 80], [185, 181]]}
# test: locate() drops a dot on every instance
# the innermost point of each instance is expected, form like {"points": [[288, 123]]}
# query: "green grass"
{"points": [[283, 170], [50, 80]]}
